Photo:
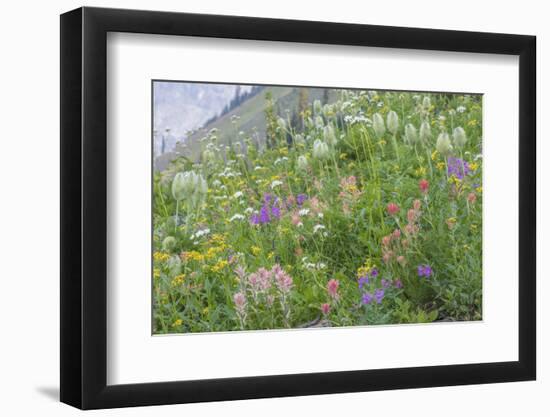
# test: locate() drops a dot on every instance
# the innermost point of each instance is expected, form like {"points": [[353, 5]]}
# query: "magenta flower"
{"points": [[325, 308]]}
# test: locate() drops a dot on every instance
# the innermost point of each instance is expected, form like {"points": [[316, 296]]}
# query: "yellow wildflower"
{"points": [[255, 250], [474, 166], [156, 273], [177, 323], [451, 221], [472, 122], [178, 280], [479, 189], [420, 172], [440, 165], [212, 252], [434, 155], [270, 255], [343, 155], [160, 256], [192, 256], [221, 264]]}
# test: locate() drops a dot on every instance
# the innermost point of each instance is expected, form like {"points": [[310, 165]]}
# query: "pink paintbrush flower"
{"points": [[332, 288], [424, 185], [240, 302], [392, 209]]}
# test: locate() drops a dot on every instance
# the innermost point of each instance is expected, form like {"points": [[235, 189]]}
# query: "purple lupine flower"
{"points": [[264, 214], [367, 298], [398, 283], [255, 219], [424, 271], [276, 212], [457, 167], [379, 295], [362, 281], [385, 283], [300, 198], [267, 198], [374, 273]]}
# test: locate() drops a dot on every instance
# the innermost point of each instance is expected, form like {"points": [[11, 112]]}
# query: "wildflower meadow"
{"points": [[347, 208]]}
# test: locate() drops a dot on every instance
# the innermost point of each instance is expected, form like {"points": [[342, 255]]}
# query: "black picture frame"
{"points": [[84, 207]]}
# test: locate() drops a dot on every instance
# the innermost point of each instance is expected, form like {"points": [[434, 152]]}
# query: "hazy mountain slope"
{"points": [[181, 106], [251, 121]]}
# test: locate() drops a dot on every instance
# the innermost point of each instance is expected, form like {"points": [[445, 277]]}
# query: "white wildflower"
{"points": [[276, 184], [237, 217], [318, 227]]}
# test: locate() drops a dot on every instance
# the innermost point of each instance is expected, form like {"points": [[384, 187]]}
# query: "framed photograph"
{"points": [[256, 208]]}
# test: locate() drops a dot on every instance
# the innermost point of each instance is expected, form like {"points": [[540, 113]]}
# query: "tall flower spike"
{"points": [[317, 107], [443, 144], [329, 135], [426, 103], [411, 136], [425, 132], [302, 163], [459, 137], [392, 122], [378, 125], [320, 150]]}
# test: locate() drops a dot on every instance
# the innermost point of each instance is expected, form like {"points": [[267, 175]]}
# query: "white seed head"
{"points": [[282, 123], [459, 137], [317, 106], [208, 155], [320, 150], [392, 121], [302, 163], [425, 132], [426, 103], [319, 123], [169, 243], [443, 144], [298, 138], [329, 135], [189, 185], [411, 136], [378, 125]]}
